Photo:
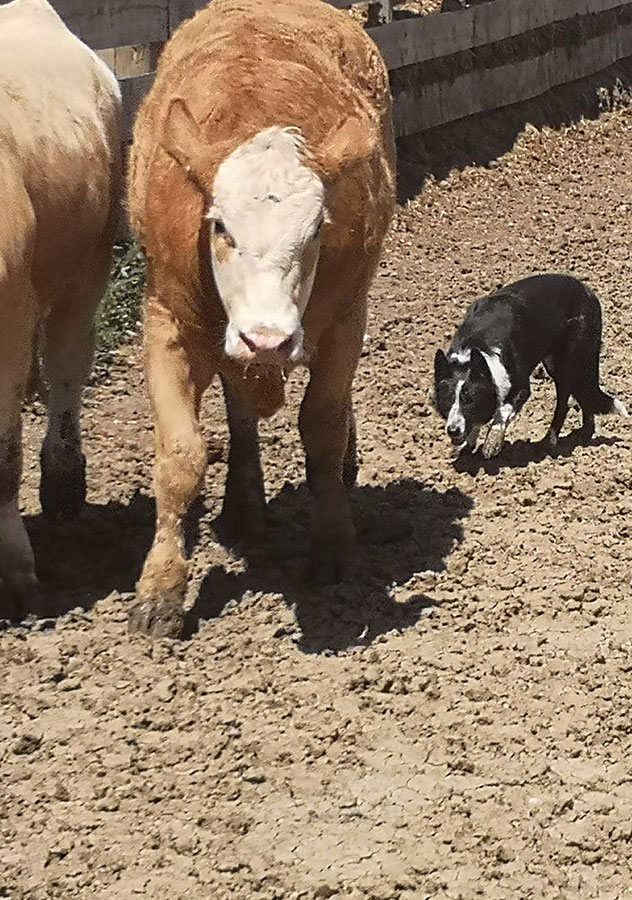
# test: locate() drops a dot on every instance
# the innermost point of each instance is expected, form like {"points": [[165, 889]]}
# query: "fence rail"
{"points": [[443, 67], [116, 23]]}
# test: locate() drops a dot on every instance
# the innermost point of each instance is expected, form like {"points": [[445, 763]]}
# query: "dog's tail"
{"points": [[603, 404]]}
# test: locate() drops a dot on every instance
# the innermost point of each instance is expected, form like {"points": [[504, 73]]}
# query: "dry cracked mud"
{"points": [[453, 724]]}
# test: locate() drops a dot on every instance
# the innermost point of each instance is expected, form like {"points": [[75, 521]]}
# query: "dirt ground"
{"points": [[453, 724], [417, 7]]}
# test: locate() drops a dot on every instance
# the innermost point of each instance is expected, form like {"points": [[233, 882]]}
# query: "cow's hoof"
{"points": [[23, 597], [331, 561], [63, 488], [156, 618]]}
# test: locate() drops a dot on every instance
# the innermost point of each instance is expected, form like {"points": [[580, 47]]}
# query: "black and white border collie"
{"points": [[484, 377]]}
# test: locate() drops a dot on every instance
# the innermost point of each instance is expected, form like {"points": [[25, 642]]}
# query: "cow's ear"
{"points": [[183, 140], [346, 146]]}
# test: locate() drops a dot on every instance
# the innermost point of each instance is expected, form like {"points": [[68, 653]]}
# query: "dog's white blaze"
{"points": [[461, 356], [455, 416], [500, 375]]}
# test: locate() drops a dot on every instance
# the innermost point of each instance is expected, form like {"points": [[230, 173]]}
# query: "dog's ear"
{"points": [[441, 366], [479, 370]]}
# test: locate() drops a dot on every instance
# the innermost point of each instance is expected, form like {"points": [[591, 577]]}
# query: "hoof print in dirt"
{"points": [[63, 489], [157, 619]]}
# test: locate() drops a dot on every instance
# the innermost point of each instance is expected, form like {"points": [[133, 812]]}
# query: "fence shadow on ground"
{"points": [[403, 528], [483, 138]]}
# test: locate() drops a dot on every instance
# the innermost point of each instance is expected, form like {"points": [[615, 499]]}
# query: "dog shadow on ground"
{"points": [[518, 454], [403, 528]]}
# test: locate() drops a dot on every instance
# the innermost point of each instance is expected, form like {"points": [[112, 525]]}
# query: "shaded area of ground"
{"points": [[454, 723]]}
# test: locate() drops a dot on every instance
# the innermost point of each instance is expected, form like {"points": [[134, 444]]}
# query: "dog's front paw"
{"points": [[493, 442]]}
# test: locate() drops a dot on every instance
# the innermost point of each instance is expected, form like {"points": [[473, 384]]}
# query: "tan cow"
{"points": [[261, 187], [60, 177]]}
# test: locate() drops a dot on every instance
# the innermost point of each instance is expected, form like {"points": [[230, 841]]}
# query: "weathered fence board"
{"points": [[418, 39], [116, 23], [407, 42], [133, 90], [486, 89]]}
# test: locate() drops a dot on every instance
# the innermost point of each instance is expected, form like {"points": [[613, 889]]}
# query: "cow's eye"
{"points": [[221, 231]]}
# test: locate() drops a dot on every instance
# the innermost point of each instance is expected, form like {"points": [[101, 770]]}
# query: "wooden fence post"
{"points": [[380, 12]]}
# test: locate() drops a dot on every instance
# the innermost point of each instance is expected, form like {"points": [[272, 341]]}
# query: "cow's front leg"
{"points": [[67, 349], [328, 435], [175, 382], [351, 463], [19, 589], [244, 505]]}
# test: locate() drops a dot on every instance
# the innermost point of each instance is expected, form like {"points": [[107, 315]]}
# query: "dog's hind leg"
{"points": [[561, 410]]}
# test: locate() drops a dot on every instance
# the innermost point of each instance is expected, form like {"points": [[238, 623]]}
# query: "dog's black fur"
{"points": [[553, 319]]}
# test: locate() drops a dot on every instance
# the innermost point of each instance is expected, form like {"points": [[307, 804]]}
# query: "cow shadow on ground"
{"points": [[403, 529], [100, 551], [519, 454]]}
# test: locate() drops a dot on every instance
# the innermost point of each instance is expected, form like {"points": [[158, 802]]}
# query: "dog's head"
{"points": [[464, 393]]}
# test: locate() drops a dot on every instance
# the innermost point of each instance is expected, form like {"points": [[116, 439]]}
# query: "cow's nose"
{"points": [[265, 341]]}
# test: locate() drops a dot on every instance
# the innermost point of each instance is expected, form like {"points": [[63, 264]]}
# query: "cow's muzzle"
{"points": [[267, 347]]}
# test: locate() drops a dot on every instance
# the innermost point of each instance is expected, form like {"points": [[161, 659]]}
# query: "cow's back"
{"points": [[59, 134]]}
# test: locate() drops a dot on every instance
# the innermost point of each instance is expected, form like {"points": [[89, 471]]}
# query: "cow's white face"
{"points": [[267, 212]]}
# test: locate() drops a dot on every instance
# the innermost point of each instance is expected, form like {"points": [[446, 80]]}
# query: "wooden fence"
{"points": [[443, 66]]}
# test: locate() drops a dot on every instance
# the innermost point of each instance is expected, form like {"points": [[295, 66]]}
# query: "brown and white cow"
{"points": [[261, 188], [60, 177]]}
